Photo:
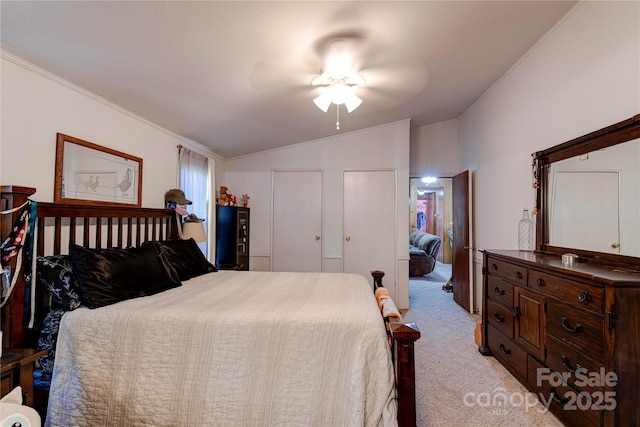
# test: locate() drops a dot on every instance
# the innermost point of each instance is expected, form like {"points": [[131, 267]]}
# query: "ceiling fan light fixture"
{"points": [[338, 90]]}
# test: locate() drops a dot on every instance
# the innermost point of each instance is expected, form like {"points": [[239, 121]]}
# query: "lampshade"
{"points": [[194, 230], [352, 101], [323, 101]]}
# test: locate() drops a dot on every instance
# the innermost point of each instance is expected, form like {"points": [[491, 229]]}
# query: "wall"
{"points": [[582, 76], [36, 105], [380, 147], [434, 150]]}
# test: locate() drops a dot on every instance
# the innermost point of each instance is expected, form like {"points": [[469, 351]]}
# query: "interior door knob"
{"points": [[347, 238]]}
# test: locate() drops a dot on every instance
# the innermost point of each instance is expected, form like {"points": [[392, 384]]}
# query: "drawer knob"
{"points": [[494, 267], [518, 275], [568, 328], [584, 297], [504, 349], [540, 282], [499, 291], [498, 317], [567, 365]]}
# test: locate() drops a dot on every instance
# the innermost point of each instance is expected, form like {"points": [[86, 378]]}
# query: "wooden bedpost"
{"points": [[404, 337], [13, 327], [377, 278]]}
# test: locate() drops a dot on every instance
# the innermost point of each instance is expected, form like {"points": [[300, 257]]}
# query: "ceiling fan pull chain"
{"points": [[337, 117]]}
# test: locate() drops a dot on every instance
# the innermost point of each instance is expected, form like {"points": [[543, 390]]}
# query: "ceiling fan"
{"points": [[348, 68], [339, 80]]}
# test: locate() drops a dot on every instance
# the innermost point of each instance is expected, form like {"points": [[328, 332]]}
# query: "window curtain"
{"points": [[195, 181]]}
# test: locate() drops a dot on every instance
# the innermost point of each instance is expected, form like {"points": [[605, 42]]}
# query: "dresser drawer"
{"points": [[584, 330], [571, 407], [580, 294], [508, 353], [513, 272], [501, 291], [577, 366], [500, 317]]}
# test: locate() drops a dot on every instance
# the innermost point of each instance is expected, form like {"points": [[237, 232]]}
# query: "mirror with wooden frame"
{"points": [[588, 195]]}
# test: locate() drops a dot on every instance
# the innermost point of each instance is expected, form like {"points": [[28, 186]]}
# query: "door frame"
{"points": [[444, 201], [468, 301]]}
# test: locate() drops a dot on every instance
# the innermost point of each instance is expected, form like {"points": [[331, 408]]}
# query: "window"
{"points": [[195, 181]]}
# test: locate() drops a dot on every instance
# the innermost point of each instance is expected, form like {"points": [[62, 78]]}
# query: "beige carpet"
{"points": [[455, 384]]}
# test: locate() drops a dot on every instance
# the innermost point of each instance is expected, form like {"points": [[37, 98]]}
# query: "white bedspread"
{"points": [[229, 349]]}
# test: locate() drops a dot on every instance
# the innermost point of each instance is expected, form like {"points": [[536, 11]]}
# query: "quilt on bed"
{"points": [[229, 349]]}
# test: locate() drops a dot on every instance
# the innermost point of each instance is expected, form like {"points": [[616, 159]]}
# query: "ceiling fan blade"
{"points": [[401, 79], [276, 75], [347, 45]]}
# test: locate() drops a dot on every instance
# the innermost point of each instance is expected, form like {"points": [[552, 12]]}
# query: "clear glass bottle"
{"points": [[525, 232]]}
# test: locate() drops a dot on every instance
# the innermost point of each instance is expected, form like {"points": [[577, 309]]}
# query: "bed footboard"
{"points": [[404, 336]]}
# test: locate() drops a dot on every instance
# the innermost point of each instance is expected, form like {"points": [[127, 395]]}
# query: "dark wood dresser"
{"points": [[568, 333]]}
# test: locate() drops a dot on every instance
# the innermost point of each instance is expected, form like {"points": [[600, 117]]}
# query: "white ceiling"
{"points": [[235, 76]]}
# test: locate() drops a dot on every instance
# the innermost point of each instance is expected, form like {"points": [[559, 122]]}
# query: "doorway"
{"points": [[447, 202], [431, 211]]}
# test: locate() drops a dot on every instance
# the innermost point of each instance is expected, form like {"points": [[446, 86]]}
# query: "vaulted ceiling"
{"points": [[236, 76]]}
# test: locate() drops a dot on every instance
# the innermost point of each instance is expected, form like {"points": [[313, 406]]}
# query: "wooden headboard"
{"points": [[119, 227], [58, 225]]}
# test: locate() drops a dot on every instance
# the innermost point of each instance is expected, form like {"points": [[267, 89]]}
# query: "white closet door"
{"points": [[297, 221], [369, 240]]}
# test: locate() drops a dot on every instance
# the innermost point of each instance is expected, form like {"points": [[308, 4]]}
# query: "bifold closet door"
{"points": [[297, 221], [369, 241]]}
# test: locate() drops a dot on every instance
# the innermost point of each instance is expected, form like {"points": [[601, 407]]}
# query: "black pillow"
{"points": [[185, 257], [55, 273], [107, 276]]}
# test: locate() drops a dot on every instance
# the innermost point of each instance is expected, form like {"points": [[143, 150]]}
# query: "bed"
{"points": [[221, 347]]}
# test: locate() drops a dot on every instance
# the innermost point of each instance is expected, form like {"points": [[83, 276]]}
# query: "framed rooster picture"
{"points": [[87, 173]]}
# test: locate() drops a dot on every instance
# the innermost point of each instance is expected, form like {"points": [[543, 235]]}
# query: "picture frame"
{"points": [[90, 174]]}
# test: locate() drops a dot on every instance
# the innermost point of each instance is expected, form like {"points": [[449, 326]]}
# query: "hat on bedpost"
{"points": [[175, 199], [177, 196]]}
